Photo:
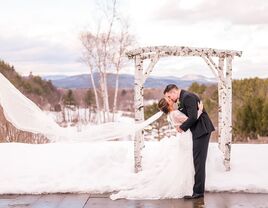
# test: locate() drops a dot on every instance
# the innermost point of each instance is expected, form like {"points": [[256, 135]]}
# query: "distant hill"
{"points": [[126, 81], [42, 92]]}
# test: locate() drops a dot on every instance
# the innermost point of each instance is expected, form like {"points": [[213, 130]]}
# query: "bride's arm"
{"points": [[177, 118]]}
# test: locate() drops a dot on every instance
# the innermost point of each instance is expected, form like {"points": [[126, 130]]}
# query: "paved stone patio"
{"points": [[211, 200]]}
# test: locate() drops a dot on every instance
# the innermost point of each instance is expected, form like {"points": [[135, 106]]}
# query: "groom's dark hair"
{"points": [[170, 87]]}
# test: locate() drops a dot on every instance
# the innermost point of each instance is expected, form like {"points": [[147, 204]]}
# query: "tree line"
{"points": [[250, 107]]}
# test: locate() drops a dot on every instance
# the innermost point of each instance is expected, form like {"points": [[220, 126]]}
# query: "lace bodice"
{"points": [[176, 117]]}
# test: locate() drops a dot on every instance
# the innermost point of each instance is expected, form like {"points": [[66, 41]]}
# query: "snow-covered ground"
{"points": [[80, 116], [77, 164], [108, 166]]}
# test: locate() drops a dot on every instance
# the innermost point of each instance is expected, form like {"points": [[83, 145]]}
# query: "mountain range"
{"points": [[126, 81]]}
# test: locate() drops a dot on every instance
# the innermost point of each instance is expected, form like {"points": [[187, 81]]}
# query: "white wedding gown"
{"points": [[175, 180]]}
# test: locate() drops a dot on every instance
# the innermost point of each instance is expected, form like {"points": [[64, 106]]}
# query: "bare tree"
{"points": [[96, 58], [89, 56], [104, 52], [122, 42]]}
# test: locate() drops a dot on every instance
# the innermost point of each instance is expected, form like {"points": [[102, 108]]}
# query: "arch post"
{"points": [[221, 102], [225, 108], [139, 112], [223, 73], [227, 116]]}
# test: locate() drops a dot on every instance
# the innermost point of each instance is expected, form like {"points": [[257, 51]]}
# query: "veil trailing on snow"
{"points": [[27, 116]]}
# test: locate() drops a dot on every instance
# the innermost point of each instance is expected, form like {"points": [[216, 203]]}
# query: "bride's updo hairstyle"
{"points": [[163, 105]]}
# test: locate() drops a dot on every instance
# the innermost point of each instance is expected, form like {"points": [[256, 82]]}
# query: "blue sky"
{"points": [[42, 36]]}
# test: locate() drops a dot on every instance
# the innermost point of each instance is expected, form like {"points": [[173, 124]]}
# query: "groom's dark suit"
{"points": [[201, 129]]}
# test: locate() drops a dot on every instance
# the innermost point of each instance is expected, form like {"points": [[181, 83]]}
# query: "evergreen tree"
{"points": [[252, 118], [197, 88], [149, 111], [89, 98], [68, 99]]}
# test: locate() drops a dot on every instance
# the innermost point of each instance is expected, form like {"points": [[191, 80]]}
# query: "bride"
{"points": [[177, 178]]}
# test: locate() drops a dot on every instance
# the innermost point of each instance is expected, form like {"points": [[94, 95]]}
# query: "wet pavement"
{"points": [[211, 200]]}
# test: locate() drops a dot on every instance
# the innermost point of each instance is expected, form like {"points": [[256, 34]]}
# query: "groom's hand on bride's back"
{"points": [[200, 106], [179, 129]]}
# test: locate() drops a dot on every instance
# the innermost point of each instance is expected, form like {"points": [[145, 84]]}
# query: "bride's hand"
{"points": [[200, 106]]}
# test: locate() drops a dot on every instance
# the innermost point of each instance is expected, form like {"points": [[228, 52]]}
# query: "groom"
{"points": [[201, 129]]}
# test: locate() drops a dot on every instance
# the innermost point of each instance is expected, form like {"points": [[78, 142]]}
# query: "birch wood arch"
{"points": [[221, 70]]}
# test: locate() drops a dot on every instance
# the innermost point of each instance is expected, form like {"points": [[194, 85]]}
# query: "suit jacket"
{"points": [[189, 106]]}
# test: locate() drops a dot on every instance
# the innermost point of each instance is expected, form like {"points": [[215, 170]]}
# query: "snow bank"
{"points": [[249, 169], [108, 166]]}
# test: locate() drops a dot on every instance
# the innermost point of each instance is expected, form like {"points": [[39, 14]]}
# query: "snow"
{"points": [[195, 77], [84, 116], [248, 170], [108, 166]]}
